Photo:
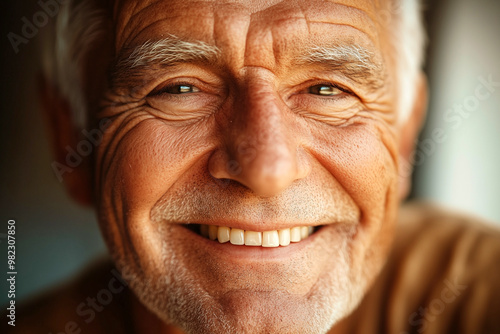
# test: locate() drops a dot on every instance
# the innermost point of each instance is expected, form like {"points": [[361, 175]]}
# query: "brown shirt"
{"points": [[443, 276]]}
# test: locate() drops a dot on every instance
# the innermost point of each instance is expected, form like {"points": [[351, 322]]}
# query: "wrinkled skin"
{"points": [[250, 145]]}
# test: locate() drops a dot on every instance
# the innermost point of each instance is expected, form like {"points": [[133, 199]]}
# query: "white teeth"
{"points": [[238, 236], [295, 234], [270, 239], [253, 238], [304, 232], [223, 234], [284, 237]]}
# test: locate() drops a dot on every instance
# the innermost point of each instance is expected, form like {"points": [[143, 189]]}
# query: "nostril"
{"points": [[222, 182]]}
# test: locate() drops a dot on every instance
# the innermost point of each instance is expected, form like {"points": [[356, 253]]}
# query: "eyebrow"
{"points": [[168, 51], [353, 61], [164, 52]]}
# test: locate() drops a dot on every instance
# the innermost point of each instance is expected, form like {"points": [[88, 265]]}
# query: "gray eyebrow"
{"points": [[355, 61], [341, 54], [167, 51]]}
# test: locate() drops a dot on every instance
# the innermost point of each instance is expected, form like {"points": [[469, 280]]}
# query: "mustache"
{"points": [[205, 199]]}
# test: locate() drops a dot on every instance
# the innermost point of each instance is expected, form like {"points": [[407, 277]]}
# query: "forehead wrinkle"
{"points": [[273, 29], [134, 33], [371, 37], [257, 42], [138, 22], [370, 12], [131, 10], [355, 17], [289, 46], [235, 19], [306, 19], [275, 19], [350, 17], [299, 14]]}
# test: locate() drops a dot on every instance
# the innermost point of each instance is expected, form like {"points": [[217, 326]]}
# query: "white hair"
{"points": [[410, 39], [81, 22]]}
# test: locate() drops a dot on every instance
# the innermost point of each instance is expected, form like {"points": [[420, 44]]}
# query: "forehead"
{"points": [[246, 24]]}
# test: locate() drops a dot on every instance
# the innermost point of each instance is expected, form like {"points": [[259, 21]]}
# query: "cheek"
{"points": [[362, 161], [139, 167], [152, 157]]}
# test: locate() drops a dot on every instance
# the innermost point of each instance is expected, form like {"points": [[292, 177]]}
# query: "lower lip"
{"points": [[253, 253]]}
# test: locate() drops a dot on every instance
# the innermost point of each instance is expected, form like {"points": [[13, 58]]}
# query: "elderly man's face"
{"points": [[253, 115]]}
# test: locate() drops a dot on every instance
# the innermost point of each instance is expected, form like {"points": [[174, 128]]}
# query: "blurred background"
{"points": [[460, 168]]}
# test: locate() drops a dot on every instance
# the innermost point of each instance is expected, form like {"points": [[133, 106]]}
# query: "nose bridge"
{"points": [[261, 150], [260, 125]]}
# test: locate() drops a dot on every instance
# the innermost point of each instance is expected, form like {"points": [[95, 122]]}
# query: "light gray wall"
{"points": [[462, 169]]}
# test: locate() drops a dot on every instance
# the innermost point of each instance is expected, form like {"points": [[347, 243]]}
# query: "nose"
{"points": [[261, 150]]}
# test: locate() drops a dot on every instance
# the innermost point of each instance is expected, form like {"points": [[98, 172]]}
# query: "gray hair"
{"points": [[410, 40], [81, 22]]}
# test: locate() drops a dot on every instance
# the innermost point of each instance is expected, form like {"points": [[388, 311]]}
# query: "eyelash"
{"points": [[341, 88], [163, 89]]}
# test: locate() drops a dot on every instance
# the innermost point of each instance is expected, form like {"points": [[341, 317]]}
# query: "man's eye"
{"points": [[324, 90], [180, 89]]}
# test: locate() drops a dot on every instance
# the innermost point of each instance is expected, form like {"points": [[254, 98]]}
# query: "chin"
{"points": [[200, 291]]}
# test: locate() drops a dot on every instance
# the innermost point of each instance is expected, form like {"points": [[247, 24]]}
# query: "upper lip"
{"points": [[257, 227]]}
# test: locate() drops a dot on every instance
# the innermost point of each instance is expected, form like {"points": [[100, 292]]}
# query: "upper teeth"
{"points": [[251, 238]]}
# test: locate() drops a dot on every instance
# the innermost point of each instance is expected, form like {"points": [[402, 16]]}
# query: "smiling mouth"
{"points": [[239, 237]]}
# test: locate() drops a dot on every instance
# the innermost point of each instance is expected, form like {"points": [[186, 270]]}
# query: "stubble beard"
{"points": [[177, 298]]}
